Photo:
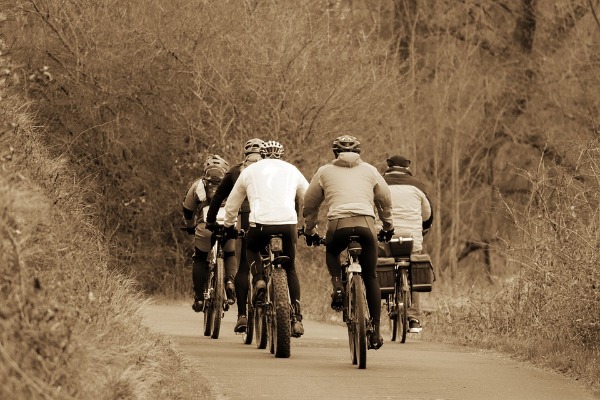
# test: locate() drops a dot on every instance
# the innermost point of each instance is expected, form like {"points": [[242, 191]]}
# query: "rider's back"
{"points": [[349, 186]]}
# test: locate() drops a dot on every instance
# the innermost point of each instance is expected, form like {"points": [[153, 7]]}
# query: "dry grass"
{"points": [[548, 312], [69, 328]]}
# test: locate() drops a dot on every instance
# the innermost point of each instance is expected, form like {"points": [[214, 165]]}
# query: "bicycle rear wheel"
{"points": [[260, 326], [390, 303], [358, 318], [207, 318], [208, 304], [248, 334], [402, 300], [218, 298], [281, 314]]}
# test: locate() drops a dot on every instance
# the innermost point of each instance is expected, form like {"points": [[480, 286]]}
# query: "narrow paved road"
{"points": [[320, 367]]}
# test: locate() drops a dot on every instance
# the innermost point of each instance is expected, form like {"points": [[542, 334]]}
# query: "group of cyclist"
{"points": [[265, 198]]}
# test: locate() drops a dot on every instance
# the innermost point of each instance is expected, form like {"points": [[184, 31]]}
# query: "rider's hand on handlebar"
{"points": [[213, 226], [229, 232], [313, 240], [385, 236]]}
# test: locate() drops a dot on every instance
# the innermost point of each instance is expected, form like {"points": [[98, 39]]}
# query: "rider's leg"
{"points": [[290, 239], [414, 313], [200, 266], [199, 275], [241, 287], [230, 269], [336, 242], [254, 243], [368, 262]]}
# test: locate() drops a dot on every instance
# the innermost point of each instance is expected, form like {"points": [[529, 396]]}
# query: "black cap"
{"points": [[398, 161]]}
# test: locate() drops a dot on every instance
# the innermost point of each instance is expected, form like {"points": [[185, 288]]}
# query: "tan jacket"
{"points": [[350, 187]]}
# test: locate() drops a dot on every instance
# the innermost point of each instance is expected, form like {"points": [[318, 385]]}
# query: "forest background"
{"points": [[109, 108]]}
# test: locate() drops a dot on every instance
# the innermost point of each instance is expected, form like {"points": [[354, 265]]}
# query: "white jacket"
{"points": [[272, 187]]}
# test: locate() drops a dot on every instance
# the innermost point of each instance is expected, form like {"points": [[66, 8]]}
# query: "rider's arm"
{"points": [[190, 204], [313, 197], [426, 212], [300, 191], [383, 202], [221, 194], [235, 200]]}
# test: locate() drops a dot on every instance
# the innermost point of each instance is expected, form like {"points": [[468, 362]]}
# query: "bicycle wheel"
{"points": [[260, 326], [358, 316], [218, 299], [392, 308], [208, 302], [282, 324], [248, 334], [207, 318], [402, 300]]}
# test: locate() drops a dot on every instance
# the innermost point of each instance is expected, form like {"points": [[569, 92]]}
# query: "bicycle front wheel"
{"points": [[358, 319], [281, 314]]}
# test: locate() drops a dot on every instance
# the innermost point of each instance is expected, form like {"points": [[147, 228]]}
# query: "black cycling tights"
{"points": [[338, 233], [241, 278], [258, 239]]}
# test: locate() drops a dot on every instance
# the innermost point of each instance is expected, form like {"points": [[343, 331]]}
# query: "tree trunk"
{"points": [[405, 19]]}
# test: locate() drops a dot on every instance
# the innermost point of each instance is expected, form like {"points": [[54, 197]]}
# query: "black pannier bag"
{"points": [[421, 273], [385, 275]]}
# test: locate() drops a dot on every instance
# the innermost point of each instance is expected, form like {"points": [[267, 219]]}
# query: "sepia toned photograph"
{"points": [[299, 199]]}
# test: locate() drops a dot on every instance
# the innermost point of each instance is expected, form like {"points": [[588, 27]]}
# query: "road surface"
{"points": [[320, 367]]}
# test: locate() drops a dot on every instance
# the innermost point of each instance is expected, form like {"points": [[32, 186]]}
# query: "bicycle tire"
{"points": [[208, 302], [207, 319], [392, 307], [218, 299], [260, 326], [404, 299], [282, 324], [248, 334], [358, 316]]}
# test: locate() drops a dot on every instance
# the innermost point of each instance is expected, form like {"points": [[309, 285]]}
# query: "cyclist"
{"points": [[273, 188], [352, 190], [195, 204], [412, 214], [251, 155]]}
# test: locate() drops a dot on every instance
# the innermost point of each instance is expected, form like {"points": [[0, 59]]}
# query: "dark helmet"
{"points": [[345, 143], [253, 146], [214, 168], [271, 149]]}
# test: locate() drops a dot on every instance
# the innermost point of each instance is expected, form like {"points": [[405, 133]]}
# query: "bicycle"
{"points": [[215, 297], [273, 317], [393, 274], [355, 312]]}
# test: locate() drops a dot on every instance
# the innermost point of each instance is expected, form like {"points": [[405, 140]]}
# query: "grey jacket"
{"points": [[350, 187]]}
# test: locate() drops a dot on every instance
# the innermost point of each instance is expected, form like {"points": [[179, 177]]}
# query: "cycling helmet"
{"points": [[253, 146], [345, 143], [214, 168], [271, 149]]}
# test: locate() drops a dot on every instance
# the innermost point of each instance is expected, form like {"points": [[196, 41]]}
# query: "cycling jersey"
{"points": [[272, 187]]}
